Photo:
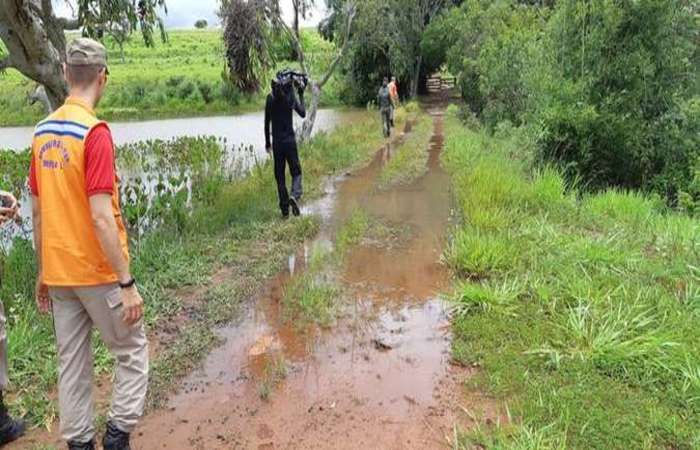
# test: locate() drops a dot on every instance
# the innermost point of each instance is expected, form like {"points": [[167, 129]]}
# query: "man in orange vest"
{"points": [[83, 256], [394, 93], [10, 429]]}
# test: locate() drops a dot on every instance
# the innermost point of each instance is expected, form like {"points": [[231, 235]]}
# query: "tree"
{"points": [[201, 24], [413, 17], [301, 10], [36, 43], [120, 32], [386, 41], [249, 26]]}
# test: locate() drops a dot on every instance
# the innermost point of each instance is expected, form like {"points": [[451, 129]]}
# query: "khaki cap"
{"points": [[85, 51]]}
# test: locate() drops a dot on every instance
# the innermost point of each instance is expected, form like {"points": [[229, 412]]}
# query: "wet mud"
{"points": [[379, 378]]}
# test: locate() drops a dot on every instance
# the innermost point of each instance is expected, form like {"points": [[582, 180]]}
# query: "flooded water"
{"points": [[240, 132], [242, 129], [378, 379]]}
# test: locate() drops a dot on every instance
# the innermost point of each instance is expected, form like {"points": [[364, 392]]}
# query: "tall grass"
{"points": [[581, 308]]}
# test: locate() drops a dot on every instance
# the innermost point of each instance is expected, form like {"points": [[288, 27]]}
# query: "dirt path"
{"points": [[380, 378]]}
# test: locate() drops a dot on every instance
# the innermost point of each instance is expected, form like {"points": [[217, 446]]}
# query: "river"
{"points": [[242, 129]]}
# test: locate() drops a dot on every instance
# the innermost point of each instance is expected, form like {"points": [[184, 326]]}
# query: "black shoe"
{"points": [[73, 445], [115, 439], [11, 430], [295, 206]]}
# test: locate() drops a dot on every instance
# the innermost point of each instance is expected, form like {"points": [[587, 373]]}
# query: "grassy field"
{"points": [[232, 226], [179, 78], [581, 310]]}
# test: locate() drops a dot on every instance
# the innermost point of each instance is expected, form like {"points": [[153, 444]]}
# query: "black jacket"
{"points": [[278, 112]]}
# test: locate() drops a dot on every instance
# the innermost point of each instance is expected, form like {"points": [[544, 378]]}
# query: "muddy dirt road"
{"points": [[379, 378]]}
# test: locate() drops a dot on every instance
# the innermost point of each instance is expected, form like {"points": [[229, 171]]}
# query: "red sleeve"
{"points": [[33, 185], [99, 161]]}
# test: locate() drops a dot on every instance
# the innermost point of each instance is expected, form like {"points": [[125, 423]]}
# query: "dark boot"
{"points": [[10, 429], [74, 445], [115, 439]]}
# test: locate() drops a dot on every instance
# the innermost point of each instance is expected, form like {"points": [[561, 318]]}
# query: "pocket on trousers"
{"points": [[116, 313]]}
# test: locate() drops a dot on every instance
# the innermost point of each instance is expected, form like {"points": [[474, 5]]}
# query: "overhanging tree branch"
{"points": [[352, 10], [69, 24]]}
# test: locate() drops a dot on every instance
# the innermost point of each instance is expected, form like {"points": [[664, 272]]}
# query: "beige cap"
{"points": [[85, 51]]}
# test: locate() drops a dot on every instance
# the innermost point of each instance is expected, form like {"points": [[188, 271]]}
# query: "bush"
{"points": [[201, 24], [609, 89]]}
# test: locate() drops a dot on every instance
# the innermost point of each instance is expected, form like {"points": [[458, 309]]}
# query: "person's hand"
{"points": [[132, 303], [43, 300], [8, 207]]}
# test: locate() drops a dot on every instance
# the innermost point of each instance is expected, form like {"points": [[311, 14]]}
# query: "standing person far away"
{"points": [[280, 104], [394, 93], [83, 256], [385, 106], [10, 429]]}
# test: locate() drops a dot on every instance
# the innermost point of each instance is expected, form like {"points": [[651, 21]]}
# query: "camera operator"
{"points": [[281, 101]]}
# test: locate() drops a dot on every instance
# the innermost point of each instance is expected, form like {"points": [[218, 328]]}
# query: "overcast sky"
{"points": [[183, 13]]}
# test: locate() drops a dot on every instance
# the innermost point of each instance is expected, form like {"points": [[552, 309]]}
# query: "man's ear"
{"points": [[65, 72]]}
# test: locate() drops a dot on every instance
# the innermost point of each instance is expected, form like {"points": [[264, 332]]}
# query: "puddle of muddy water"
{"points": [[379, 378]]}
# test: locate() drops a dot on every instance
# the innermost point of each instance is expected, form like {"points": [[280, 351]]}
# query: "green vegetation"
{"points": [[222, 225], [179, 78], [313, 296], [609, 90], [409, 159], [581, 309], [274, 372]]}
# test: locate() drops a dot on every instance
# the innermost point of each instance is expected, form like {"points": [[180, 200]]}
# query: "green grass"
{"points": [[233, 227], [179, 78], [314, 296], [582, 309], [409, 159]]}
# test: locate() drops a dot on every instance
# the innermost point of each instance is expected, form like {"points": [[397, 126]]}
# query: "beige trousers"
{"points": [[76, 311], [3, 349]]}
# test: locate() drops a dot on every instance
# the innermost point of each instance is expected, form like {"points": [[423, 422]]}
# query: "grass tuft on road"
{"points": [[409, 159], [582, 309]]}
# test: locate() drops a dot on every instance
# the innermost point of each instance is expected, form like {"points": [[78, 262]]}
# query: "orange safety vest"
{"points": [[71, 255]]}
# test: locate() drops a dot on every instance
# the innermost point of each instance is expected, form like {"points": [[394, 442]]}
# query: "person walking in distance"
{"points": [[279, 107], [83, 256], [394, 93], [10, 429], [385, 107]]}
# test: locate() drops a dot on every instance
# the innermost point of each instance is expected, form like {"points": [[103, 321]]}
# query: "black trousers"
{"points": [[285, 153]]}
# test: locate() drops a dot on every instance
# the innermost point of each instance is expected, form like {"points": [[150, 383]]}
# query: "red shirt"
{"points": [[99, 163]]}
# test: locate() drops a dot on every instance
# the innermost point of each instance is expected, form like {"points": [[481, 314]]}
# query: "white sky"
{"points": [[183, 13]]}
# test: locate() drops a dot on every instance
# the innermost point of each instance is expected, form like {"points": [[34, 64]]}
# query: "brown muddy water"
{"points": [[379, 378]]}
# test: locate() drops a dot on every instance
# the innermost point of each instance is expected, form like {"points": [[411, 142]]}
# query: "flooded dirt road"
{"points": [[380, 378]]}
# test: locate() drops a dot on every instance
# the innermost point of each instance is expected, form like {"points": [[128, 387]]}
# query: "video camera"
{"points": [[286, 79]]}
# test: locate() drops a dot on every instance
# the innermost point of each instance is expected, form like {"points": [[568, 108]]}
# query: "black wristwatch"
{"points": [[128, 284]]}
